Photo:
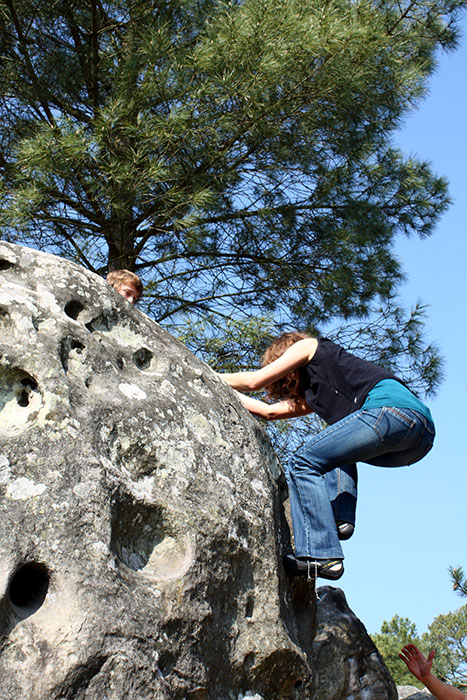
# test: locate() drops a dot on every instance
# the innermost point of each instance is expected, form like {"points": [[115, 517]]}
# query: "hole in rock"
{"points": [[103, 322], [30, 385], [136, 530], [67, 346], [249, 661], [143, 540], [4, 314], [143, 358], [28, 588], [5, 264], [250, 606], [298, 684], [73, 308], [23, 399], [20, 400]]}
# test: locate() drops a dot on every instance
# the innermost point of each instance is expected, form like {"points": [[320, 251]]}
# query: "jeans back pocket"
{"points": [[394, 427]]}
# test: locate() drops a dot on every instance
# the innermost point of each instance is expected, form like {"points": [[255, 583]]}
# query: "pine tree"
{"points": [[395, 634], [237, 155], [448, 635], [459, 582]]}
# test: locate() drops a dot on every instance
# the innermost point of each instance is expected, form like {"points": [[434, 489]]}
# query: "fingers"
{"points": [[411, 650], [405, 654], [411, 653]]}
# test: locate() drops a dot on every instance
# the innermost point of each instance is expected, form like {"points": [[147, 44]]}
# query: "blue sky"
{"points": [[411, 522]]}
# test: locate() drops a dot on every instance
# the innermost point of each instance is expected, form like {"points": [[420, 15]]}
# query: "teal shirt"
{"points": [[390, 392]]}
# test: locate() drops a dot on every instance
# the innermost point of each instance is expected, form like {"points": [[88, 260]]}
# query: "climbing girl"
{"points": [[371, 417]]}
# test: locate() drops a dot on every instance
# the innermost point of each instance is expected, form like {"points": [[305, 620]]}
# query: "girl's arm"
{"points": [[420, 667], [299, 354], [290, 408], [441, 691]]}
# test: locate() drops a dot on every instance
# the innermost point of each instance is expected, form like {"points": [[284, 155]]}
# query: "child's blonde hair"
{"points": [[118, 277], [288, 386]]}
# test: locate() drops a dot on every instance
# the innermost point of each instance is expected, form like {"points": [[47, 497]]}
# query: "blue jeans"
{"points": [[341, 484], [384, 437]]}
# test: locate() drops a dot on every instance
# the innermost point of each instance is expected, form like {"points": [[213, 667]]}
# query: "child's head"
{"points": [[288, 386], [127, 284]]}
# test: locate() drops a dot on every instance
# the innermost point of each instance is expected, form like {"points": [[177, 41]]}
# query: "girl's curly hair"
{"points": [[289, 385]]}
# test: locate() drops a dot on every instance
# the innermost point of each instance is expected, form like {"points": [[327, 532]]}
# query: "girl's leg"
{"points": [[362, 436], [341, 485]]}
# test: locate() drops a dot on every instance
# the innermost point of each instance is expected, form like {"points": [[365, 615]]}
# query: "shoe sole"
{"points": [[310, 571], [345, 531]]}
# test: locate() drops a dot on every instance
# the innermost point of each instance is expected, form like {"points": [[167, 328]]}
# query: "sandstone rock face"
{"points": [[409, 692], [141, 527], [345, 660]]}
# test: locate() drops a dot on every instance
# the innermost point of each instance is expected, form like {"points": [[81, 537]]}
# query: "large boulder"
{"points": [[346, 662], [141, 523], [409, 692]]}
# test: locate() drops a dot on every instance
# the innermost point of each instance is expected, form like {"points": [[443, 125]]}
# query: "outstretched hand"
{"points": [[418, 665]]}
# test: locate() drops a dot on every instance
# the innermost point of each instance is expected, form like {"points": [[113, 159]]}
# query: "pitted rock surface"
{"points": [[141, 525]]}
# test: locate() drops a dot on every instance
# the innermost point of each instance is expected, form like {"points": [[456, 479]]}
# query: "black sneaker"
{"points": [[344, 530], [313, 568]]}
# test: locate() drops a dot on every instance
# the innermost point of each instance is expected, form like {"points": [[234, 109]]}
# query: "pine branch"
{"points": [[29, 65], [458, 580]]}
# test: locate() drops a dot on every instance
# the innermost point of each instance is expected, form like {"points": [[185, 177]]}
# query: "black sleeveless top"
{"points": [[336, 383]]}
